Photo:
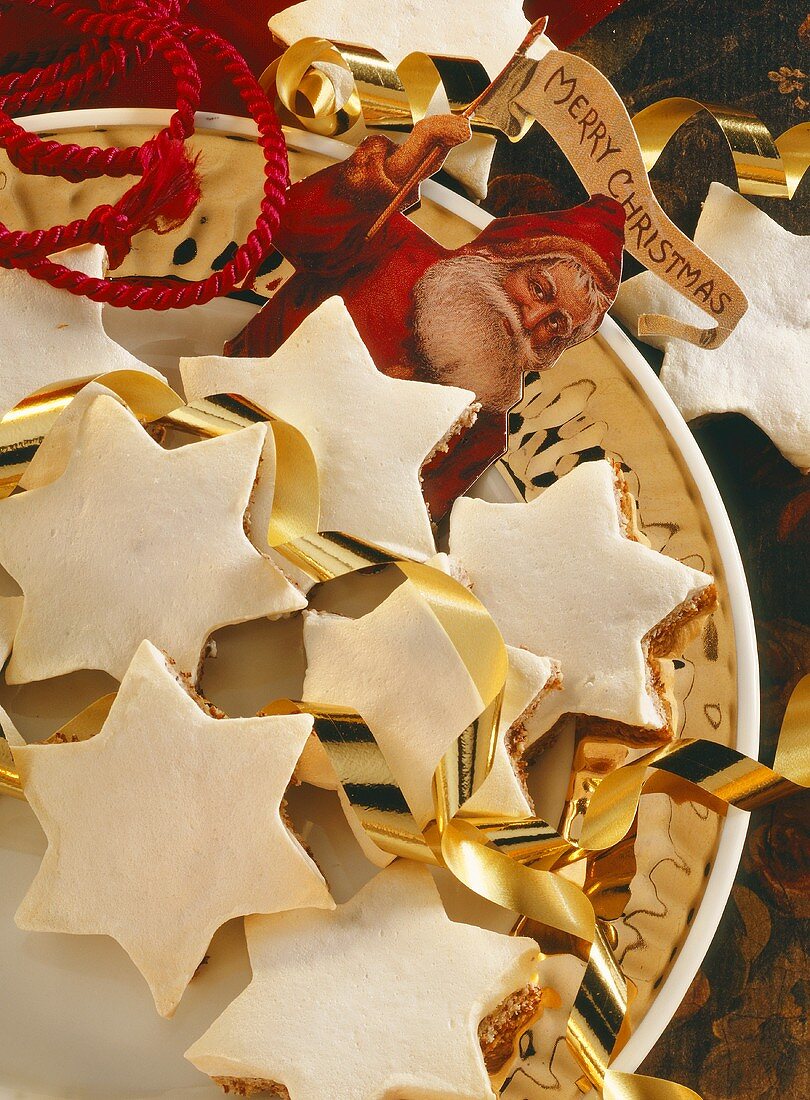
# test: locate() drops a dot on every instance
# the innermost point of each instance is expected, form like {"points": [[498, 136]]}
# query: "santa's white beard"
{"points": [[468, 330]]}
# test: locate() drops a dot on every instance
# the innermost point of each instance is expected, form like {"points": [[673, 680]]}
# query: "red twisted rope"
{"points": [[78, 73], [122, 33]]}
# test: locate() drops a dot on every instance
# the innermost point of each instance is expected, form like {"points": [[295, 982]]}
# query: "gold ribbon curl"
{"points": [[513, 864], [765, 166], [329, 88]]}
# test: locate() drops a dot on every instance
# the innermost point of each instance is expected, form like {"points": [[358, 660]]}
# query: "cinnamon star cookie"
{"points": [[134, 542], [370, 434], [400, 671], [49, 335], [165, 825], [381, 998], [565, 575], [10, 612]]}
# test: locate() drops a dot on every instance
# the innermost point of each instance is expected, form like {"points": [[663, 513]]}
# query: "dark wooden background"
{"points": [[742, 1031]]}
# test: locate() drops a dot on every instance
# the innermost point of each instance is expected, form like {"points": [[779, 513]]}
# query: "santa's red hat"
{"points": [[593, 233]]}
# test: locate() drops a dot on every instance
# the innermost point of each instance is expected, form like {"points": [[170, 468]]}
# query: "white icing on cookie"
{"points": [[370, 434], [399, 670], [380, 998], [165, 825], [9, 731], [763, 369], [52, 455], [133, 542], [50, 335], [559, 575], [10, 612]]}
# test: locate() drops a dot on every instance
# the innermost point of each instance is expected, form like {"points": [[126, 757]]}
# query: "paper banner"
{"points": [[585, 116]]}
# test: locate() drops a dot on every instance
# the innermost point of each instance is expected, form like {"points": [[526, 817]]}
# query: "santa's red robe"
{"points": [[323, 234]]}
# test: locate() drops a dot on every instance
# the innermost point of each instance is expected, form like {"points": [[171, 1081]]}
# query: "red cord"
{"points": [[122, 33]]}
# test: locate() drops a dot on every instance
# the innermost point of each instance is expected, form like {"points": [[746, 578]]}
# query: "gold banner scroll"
{"points": [[582, 111]]}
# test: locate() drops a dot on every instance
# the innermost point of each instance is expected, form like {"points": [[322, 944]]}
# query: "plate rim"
{"points": [[734, 828]]}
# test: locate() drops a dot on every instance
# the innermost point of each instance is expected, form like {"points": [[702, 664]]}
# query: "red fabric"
{"points": [[241, 22], [244, 24], [568, 20], [149, 77]]}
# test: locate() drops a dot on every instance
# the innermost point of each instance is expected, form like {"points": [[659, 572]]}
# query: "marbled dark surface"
{"points": [[741, 1032]]}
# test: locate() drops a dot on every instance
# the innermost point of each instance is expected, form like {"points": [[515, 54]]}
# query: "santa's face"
{"points": [[481, 324], [549, 297]]}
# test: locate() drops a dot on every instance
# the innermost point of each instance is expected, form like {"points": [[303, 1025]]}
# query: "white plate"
{"points": [[78, 1018]]}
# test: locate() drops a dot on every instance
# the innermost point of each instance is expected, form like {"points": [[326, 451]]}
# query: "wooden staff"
{"points": [[434, 159]]}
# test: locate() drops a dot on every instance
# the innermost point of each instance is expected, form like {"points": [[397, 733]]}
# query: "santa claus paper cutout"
{"points": [[478, 317]]}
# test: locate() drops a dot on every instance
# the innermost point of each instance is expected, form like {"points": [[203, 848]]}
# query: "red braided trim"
{"points": [[124, 30], [30, 154], [74, 76]]}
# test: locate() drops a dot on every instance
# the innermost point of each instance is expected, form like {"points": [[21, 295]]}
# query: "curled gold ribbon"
{"points": [[766, 166], [513, 864], [329, 88], [702, 771]]}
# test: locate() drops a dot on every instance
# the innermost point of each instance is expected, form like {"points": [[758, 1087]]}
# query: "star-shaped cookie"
{"points": [[489, 33], [134, 542], [165, 825], [397, 667], [53, 454], [370, 434], [561, 575], [763, 369], [380, 998], [50, 335]]}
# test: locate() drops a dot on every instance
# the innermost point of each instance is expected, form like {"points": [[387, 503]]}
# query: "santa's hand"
{"points": [[444, 131], [427, 145]]}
